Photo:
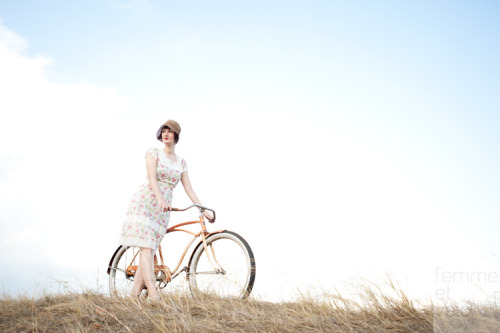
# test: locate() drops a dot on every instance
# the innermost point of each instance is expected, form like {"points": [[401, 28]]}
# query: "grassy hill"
{"points": [[178, 312]]}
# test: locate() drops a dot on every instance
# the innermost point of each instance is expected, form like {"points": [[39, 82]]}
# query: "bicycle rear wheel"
{"points": [[122, 270], [230, 273]]}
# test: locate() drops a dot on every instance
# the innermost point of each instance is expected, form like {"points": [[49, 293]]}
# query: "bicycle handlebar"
{"points": [[202, 209]]}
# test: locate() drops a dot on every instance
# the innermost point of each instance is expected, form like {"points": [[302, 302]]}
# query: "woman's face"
{"points": [[167, 135]]}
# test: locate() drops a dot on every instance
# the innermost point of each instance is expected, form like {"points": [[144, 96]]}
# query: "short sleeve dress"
{"points": [[145, 224]]}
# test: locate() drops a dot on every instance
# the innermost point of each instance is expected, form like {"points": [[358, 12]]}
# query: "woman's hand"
{"points": [[208, 215], [163, 205]]}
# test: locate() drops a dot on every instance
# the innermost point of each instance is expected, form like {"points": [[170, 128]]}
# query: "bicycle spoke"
{"points": [[228, 251], [118, 269], [120, 281]]}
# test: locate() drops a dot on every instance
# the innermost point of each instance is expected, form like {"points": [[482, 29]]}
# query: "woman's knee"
{"points": [[146, 250]]}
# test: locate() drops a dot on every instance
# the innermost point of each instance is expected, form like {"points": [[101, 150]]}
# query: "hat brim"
{"points": [[158, 133]]}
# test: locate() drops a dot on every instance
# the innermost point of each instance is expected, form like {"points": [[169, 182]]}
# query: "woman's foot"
{"points": [[154, 300]]}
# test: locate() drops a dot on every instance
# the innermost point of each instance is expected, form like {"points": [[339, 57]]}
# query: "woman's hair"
{"points": [[158, 134]]}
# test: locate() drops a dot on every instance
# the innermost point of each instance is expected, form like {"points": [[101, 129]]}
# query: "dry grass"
{"points": [[371, 312]]}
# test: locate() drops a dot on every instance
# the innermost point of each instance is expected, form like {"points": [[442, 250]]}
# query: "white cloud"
{"points": [[56, 141], [11, 42]]}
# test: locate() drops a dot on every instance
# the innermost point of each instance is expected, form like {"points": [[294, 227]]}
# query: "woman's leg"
{"points": [[146, 264], [138, 282]]}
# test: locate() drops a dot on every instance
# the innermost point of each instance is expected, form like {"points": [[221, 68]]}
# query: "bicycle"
{"points": [[229, 274]]}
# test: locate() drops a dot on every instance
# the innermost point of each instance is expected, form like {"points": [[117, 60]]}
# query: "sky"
{"points": [[343, 140]]}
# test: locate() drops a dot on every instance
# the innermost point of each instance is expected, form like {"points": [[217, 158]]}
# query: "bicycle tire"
{"points": [[120, 283], [235, 257]]}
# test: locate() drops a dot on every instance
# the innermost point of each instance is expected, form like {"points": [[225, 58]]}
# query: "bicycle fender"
{"points": [[112, 258]]}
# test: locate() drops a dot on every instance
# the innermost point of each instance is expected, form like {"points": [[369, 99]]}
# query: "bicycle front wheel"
{"points": [[122, 270], [227, 270]]}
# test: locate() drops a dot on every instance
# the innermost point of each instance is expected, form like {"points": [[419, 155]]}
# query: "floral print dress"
{"points": [[145, 224]]}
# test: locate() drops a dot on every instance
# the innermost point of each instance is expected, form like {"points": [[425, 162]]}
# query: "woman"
{"points": [[149, 211]]}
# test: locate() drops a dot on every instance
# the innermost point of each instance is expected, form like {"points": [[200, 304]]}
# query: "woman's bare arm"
{"points": [[188, 188], [191, 193]]}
